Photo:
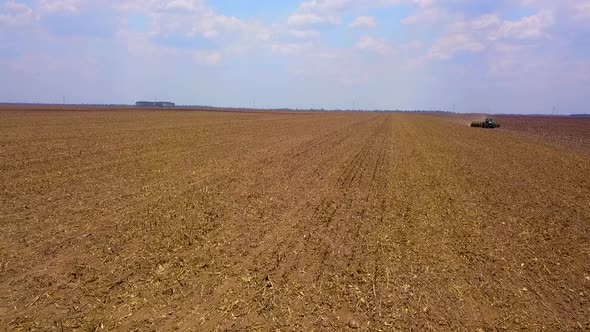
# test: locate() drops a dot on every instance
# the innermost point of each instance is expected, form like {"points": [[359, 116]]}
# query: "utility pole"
{"points": [[64, 100]]}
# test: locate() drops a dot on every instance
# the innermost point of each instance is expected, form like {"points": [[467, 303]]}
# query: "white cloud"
{"points": [[304, 34], [363, 22], [480, 27], [427, 16], [207, 58], [531, 27], [60, 6], [309, 19], [476, 34], [375, 44], [411, 46], [14, 13], [211, 24], [522, 63], [188, 18], [341, 5], [449, 45], [289, 48], [195, 21], [328, 12], [183, 5], [509, 60], [464, 36], [485, 22], [263, 34], [582, 11], [325, 5]]}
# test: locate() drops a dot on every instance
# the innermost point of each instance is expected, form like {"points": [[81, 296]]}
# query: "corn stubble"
{"points": [[210, 221]]}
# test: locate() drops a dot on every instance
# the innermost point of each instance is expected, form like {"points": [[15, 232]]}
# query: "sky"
{"points": [[490, 56]]}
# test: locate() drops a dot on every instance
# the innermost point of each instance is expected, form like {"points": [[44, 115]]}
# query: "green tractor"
{"points": [[488, 123]]}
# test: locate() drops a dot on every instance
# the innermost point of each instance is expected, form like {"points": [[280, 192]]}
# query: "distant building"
{"points": [[154, 104]]}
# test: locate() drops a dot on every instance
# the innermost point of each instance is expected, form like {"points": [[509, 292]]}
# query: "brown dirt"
{"points": [[571, 133], [209, 221], [568, 132]]}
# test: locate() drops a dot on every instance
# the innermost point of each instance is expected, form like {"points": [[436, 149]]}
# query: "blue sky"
{"points": [[519, 56]]}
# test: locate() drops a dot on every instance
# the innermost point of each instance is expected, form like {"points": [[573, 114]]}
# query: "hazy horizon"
{"points": [[519, 56]]}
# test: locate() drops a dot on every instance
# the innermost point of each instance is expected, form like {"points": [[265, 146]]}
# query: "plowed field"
{"points": [[205, 221]]}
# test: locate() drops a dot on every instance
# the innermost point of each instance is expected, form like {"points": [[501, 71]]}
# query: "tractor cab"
{"points": [[489, 123]]}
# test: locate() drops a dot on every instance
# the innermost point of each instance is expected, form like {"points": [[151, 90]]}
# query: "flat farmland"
{"points": [[568, 132], [571, 133], [213, 221]]}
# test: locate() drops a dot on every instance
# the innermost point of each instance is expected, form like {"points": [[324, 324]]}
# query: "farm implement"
{"points": [[488, 123]]}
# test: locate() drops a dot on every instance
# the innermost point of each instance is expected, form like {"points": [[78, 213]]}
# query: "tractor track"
{"points": [[344, 221]]}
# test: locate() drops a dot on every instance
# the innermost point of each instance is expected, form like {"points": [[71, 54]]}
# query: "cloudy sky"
{"points": [[522, 56]]}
